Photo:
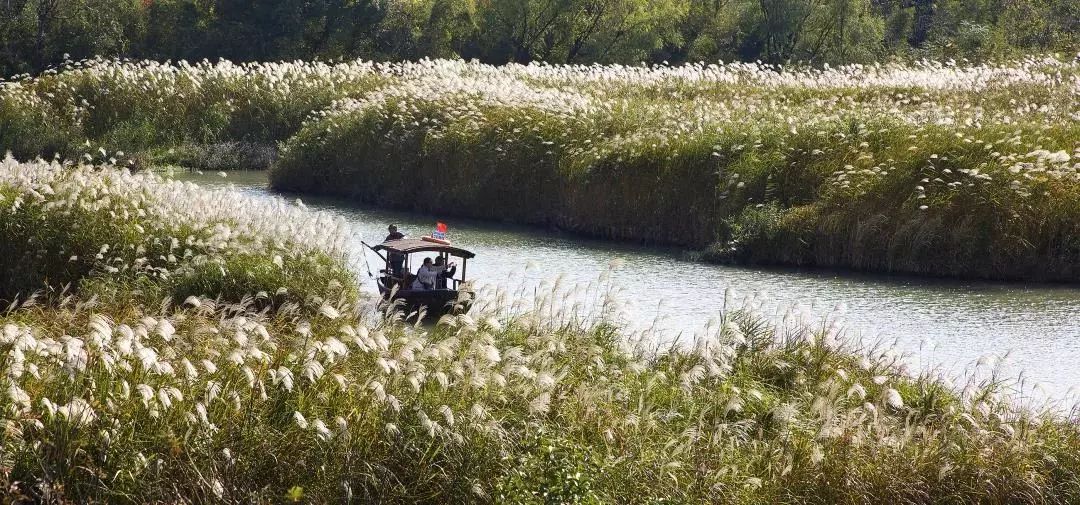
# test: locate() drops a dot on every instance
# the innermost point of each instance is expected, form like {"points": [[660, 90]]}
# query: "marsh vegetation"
{"points": [[168, 342], [930, 168], [215, 397]]}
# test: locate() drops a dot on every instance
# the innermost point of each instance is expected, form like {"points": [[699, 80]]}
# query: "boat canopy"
{"points": [[413, 245]]}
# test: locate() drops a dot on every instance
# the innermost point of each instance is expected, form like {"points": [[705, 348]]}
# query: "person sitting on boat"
{"points": [[397, 260], [427, 275], [446, 271]]}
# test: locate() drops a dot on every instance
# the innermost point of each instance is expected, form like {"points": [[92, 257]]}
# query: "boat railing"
{"points": [[452, 283]]}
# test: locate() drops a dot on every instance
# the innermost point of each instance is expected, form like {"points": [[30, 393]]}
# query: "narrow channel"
{"points": [[939, 324]]}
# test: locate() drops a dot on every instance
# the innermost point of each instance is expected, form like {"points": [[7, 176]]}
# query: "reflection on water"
{"points": [[945, 324]]}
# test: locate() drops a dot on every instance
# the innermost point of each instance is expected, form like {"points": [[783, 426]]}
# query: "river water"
{"points": [[938, 324]]}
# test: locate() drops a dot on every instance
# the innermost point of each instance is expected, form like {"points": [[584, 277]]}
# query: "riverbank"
{"points": [[131, 111], [107, 233], [934, 170], [214, 399], [929, 169], [945, 324]]}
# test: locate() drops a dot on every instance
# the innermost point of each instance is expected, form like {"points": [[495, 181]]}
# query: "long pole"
{"points": [[374, 251]]}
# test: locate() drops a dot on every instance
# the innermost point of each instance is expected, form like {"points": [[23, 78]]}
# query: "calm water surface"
{"points": [[948, 325]]}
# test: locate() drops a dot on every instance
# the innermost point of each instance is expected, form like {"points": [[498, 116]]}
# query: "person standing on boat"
{"points": [[394, 234], [397, 260]]}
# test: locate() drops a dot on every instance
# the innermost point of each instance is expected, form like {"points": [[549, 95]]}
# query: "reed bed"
{"points": [[112, 233], [526, 399], [145, 107], [214, 402], [930, 169]]}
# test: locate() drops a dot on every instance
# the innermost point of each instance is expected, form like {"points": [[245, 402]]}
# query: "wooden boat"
{"points": [[451, 295]]}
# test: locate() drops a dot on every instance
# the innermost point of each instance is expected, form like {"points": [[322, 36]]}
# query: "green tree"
{"points": [[562, 31], [617, 30], [841, 31], [176, 29], [38, 33], [425, 28], [1041, 24], [782, 31]]}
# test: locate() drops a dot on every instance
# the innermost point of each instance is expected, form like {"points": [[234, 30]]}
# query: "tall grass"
{"points": [[219, 156], [136, 106], [116, 234], [930, 169], [217, 403], [216, 398]]}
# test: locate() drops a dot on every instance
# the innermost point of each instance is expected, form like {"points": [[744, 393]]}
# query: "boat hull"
{"points": [[434, 302]]}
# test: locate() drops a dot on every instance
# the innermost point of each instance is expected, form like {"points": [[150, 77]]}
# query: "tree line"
{"points": [[36, 34]]}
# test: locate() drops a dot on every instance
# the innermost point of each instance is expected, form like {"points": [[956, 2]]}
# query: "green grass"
{"points": [[498, 408], [220, 156], [941, 178], [211, 395], [106, 232], [141, 106], [925, 168]]}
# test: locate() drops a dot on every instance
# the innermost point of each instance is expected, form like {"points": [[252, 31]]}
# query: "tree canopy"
{"points": [[35, 34]]}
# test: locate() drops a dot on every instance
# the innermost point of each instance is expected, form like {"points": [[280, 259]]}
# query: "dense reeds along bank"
{"points": [[929, 168], [147, 107], [108, 233], [217, 398]]}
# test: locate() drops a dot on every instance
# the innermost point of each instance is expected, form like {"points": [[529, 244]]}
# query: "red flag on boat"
{"points": [[439, 234]]}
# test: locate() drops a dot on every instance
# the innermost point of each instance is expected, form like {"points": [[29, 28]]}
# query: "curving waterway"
{"points": [[946, 325]]}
